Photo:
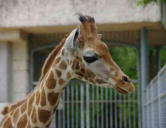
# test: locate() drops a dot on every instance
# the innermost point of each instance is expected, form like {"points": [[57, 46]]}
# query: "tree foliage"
{"points": [[145, 2], [163, 55], [126, 58]]}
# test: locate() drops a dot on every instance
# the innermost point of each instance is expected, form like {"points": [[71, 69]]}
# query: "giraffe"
{"points": [[82, 55]]}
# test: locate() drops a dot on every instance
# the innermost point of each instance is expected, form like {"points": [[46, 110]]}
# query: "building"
{"points": [[27, 25]]}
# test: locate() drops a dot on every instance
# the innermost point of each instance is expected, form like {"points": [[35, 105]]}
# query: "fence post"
{"points": [[144, 68]]}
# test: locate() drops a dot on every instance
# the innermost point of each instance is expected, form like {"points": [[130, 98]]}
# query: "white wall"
{"points": [[20, 79], [14, 81], [61, 12], [5, 70]]}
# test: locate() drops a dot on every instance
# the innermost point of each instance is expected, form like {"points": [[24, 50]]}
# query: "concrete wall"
{"points": [[14, 82], [20, 80], [5, 70], [61, 12]]}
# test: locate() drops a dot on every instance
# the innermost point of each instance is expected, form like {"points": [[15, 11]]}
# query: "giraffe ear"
{"points": [[72, 40]]}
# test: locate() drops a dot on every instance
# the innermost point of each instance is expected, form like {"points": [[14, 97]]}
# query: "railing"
{"points": [[155, 101], [87, 106]]}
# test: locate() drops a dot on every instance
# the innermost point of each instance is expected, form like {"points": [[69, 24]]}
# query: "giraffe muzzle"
{"points": [[125, 90]]}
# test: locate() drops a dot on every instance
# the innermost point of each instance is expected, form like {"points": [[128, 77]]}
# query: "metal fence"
{"points": [[87, 106], [155, 101]]}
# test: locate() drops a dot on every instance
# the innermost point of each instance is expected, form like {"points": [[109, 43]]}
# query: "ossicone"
{"points": [[85, 18]]}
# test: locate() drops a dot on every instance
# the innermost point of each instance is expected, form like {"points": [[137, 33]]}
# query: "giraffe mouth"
{"points": [[120, 90]]}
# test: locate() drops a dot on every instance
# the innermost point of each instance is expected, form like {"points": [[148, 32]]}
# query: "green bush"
{"points": [[145, 2]]}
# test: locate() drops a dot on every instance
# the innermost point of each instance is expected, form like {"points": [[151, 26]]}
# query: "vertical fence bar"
{"points": [[82, 105], [87, 106], [147, 109], [129, 111], [125, 118], [55, 119], [93, 104], [111, 114], [72, 103], [120, 111], [106, 108], [59, 118], [115, 99], [64, 119], [77, 104], [97, 105], [68, 107], [101, 105], [134, 111], [152, 105], [158, 85]]}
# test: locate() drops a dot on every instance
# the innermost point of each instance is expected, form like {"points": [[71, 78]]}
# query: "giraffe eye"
{"points": [[91, 59]]}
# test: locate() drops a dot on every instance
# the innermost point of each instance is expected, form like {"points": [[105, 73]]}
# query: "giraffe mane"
{"points": [[49, 61], [47, 64], [11, 107]]}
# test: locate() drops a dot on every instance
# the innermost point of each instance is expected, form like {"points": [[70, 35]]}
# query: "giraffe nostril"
{"points": [[124, 78]]}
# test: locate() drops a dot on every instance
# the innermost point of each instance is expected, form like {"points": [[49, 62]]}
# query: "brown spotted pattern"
{"points": [[37, 97], [52, 97], [81, 72], [23, 108], [30, 103], [28, 125], [68, 75], [57, 60], [8, 123], [63, 52], [11, 107], [61, 81], [63, 65], [16, 115], [43, 98], [34, 115], [51, 82], [58, 73], [44, 115], [22, 121]]}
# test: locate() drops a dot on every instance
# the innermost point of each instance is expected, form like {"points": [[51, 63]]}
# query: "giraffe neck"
{"points": [[47, 95], [40, 106]]}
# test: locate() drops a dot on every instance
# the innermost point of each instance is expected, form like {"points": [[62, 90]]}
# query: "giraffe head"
{"points": [[90, 59]]}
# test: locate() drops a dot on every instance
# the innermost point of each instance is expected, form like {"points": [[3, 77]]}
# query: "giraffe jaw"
{"points": [[121, 90]]}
